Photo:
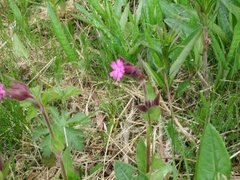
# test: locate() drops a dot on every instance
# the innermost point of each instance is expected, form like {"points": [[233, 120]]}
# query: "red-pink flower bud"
{"points": [[19, 91], [132, 70], [149, 103], [142, 108]]}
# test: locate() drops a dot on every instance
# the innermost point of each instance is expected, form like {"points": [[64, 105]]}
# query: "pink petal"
{"points": [[114, 74], [114, 65], [120, 63], [119, 77]]}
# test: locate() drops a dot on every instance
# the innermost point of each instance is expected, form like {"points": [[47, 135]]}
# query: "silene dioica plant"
{"points": [[213, 161], [60, 135]]}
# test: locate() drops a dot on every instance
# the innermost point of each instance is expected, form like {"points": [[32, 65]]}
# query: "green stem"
{"points": [[172, 121], [148, 150], [42, 110]]}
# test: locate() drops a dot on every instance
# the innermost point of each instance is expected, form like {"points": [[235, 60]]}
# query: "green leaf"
{"points": [[61, 37], [235, 41], [159, 169], [124, 18], [95, 168], [175, 67], [57, 144], [138, 13], [213, 160], [183, 86], [125, 171], [79, 118], [16, 11], [46, 146], [141, 156], [37, 133], [5, 170], [232, 8], [151, 73], [18, 48], [69, 92], [75, 138], [67, 161], [150, 91], [153, 113], [59, 93], [1, 176], [98, 7]]}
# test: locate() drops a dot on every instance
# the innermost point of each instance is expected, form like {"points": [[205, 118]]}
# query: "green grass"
{"points": [[72, 44]]}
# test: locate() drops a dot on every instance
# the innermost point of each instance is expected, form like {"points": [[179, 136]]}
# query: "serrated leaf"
{"points": [[213, 160], [46, 146], [59, 93], [125, 171], [75, 138], [70, 91], [67, 161], [79, 118], [141, 156], [37, 133], [57, 143]]}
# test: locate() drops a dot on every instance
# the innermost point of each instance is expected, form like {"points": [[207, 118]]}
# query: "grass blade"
{"points": [[61, 37], [181, 58], [235, 41]]}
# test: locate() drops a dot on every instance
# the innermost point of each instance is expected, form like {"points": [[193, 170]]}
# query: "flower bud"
{"points": [[149, 103], [132, 70], [19, 91]]}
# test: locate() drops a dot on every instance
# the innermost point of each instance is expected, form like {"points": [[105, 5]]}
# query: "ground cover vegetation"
{"points": [[117, 89]]}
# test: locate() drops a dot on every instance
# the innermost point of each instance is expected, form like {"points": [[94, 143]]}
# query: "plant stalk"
{"points": [[46, 118], [148, 134], [148, 150], [64, 174], [58, 156], [205, 60]]}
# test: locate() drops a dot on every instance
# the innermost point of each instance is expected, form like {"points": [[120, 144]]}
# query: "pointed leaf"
{"points": [[67, 161], [60, 34], [141, 156], [235, 41], [183, 55], [213, 161]]}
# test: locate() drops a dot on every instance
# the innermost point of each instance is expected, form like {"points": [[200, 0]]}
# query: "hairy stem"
{"points": [[46, 118], [58, 156]]}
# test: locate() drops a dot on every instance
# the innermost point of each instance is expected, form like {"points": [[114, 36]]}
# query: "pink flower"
{"points": [[2, 91], [118, 69]]}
